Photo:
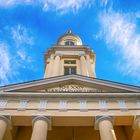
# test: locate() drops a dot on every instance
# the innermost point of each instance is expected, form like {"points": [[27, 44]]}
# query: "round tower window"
{"points": [[69, 43]]}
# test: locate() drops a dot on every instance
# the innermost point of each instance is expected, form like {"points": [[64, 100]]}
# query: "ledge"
{"points": [[69, 95]]}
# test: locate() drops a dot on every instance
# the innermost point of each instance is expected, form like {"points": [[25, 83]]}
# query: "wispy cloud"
{"points": [[7, 3], [61, 6], [4, 63], [104, 2], [21, 35], [64, 6], [120, 33], [15, 54], [23, 41]]}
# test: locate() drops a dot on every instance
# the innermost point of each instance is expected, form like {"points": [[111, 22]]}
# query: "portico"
{"points": [[69, 103]]}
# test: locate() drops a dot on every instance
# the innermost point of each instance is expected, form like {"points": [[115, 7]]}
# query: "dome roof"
{"points": [[69, 39]]}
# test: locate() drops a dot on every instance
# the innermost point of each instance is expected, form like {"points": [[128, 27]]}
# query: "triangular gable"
{"points": [[71, 83]]}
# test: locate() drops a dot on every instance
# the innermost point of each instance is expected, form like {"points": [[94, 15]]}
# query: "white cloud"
{"points": [[15, 55], [121, 35], [137, 14], [62, 6], [22, 54], [7, 3], [4, 63], [21, 35], [103, 2]]}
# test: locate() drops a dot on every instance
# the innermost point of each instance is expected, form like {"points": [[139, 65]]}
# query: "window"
{"points": [[69, 43], [69, 70], [70, 62]]}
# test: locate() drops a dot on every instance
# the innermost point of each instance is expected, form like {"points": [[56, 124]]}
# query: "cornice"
{"points": [[69, 95], [69, 48]]}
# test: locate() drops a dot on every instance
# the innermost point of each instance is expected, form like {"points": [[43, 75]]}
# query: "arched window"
{"points": [[69, 43]]}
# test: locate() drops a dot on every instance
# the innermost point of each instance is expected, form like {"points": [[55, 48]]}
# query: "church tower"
{"points": [[69, 103], [69, 56]]}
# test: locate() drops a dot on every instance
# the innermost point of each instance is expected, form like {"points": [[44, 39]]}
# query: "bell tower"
{"points": [[69, 56]]}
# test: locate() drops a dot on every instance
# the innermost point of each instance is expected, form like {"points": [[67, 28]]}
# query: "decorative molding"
{"points": [[83, 105], [72, 88], [98, 119], [46, 118], [63, 105], [70, 53], [3, 103], [103, 105], [58, 79], [108, 95], [122, 105], [43, 104], [23, 104]]}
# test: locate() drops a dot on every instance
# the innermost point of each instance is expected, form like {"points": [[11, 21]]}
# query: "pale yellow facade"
{"points": [[70, 103]]}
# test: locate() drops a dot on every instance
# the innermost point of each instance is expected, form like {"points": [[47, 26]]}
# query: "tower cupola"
{"points": [[69, 39], [69, 56]]}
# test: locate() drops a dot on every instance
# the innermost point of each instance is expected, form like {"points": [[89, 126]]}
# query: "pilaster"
{"points": [[84, 70], [56, 66]]}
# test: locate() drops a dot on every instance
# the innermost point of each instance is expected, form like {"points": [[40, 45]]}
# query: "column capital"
{"points": [[87, 55], [46, 118], [82, 55], [58, 55], [7, 119], [98, 119], [136, 122], [52, 56]]}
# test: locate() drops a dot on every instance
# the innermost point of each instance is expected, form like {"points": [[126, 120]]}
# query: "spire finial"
{"points": [[69, 31]]}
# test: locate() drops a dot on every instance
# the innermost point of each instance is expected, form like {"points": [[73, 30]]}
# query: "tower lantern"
{"points": [[69, 56]]}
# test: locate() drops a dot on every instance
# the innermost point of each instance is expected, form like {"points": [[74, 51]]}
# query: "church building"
{"points": [[69, 103]]}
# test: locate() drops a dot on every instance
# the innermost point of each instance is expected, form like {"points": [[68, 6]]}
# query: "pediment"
{"points": [[70, 83], [73, 87]]}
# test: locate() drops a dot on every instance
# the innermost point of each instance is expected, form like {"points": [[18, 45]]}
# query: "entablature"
{"points": [[71, 95]]}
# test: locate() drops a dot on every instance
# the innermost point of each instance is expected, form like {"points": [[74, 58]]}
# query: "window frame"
{"points": [[69, 61], [70, 70], [69, 43]]}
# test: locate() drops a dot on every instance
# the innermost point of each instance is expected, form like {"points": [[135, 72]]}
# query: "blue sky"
{"points": [[29, 27]]}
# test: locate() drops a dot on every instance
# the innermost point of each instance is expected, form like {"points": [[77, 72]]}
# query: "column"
{"points": [[90, 71], [3, 126], [136, 124], [49, 67], [40, 128], [136, 128], [83, 66], [105, 127], [56, 67], [46, 71]]}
